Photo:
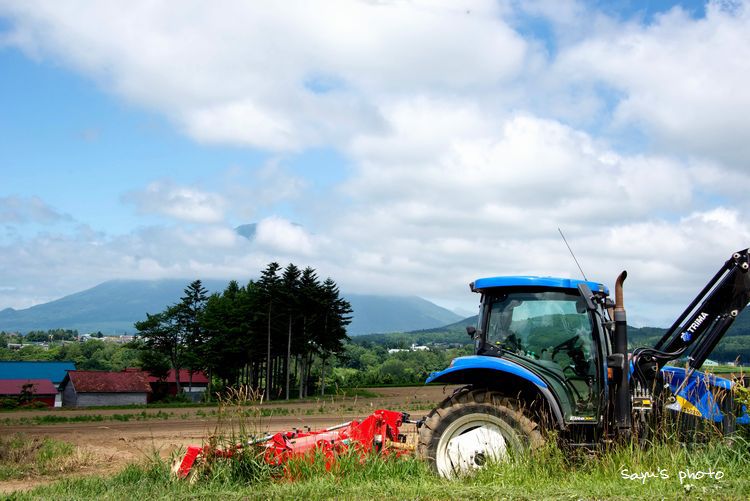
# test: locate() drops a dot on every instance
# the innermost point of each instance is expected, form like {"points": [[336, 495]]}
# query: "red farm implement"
{"points": [[379, 432]]}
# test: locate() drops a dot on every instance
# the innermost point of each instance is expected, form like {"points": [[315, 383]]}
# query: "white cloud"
{"points": [[489, 203], [246, 73], [252, 192], [178, 202], [469, 144], [682, 80], [22, 210], [278, 235]]}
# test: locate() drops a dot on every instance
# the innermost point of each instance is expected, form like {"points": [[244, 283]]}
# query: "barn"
{"points": [[99, 388], [41, 390], [51, 371], [193, 385]]}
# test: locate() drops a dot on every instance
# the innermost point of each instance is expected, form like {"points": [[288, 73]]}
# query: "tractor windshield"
{"points": [[553, 330]]}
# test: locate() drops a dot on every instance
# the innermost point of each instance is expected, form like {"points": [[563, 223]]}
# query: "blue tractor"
{"points": [[552, 354]]}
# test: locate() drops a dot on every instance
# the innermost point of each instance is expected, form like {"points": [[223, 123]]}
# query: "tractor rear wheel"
{"points": [[473, 427]]}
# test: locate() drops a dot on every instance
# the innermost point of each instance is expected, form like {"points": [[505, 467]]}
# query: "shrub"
{"points": [[8, 403]]}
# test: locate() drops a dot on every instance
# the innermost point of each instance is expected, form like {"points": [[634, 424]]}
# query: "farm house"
{"points": [[41, 390], [52, 371], [98, 388]]}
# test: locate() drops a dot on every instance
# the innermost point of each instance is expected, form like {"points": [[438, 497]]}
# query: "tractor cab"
{"points": [[552, 353], [547, 326]]}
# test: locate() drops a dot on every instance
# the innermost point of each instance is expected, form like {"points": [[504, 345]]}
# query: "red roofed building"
{"points": [[42, 390], [193, 387], [97, 388]]}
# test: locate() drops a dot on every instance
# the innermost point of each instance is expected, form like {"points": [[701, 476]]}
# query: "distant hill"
{"points": [[374, 314], [112, 308]]}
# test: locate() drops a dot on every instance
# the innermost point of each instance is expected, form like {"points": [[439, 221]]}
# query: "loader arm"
{"points": [[704, 322]]}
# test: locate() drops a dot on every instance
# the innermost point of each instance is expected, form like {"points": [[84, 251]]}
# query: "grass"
{"points": [[669, 469], [84, 418], [551, 473], [24, 457], [140, 416]]}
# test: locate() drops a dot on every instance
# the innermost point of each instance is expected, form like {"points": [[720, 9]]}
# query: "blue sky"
{"points": [[407, 147]]}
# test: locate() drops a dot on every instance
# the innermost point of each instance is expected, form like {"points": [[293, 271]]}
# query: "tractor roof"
{"points": [[526, 281]]}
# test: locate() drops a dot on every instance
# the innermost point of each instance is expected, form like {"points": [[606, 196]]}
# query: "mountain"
{"points": [[112, 307], [374, 314], [247, 230]]}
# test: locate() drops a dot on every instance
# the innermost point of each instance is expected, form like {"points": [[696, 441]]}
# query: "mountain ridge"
{"points": [[113, 306]]}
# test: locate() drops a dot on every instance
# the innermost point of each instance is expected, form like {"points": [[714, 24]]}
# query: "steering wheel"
{"points": [[567, 344], [575, 353]]}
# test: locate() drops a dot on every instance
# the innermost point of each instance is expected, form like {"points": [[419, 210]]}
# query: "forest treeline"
{"points": [[267, 334]]}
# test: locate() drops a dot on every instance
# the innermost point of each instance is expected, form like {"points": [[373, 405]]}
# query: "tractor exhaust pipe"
{"points": [[622, 395]]}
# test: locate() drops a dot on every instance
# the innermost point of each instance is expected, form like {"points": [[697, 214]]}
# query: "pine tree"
{"points": [[290, 281], [309, 302], [161, 333], [336, 317], [227, 333], [269, 288], [189, 313]]}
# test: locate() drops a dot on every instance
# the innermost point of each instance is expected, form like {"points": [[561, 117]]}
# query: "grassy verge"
{"points": [[713, 470], [84, 418], [24, 457]]}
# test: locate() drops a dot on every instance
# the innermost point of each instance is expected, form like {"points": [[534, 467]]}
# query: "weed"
{"points": [[85, 418], [22, 456]]}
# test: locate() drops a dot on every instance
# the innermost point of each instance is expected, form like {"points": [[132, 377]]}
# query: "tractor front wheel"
{"points": [[473, 427]]}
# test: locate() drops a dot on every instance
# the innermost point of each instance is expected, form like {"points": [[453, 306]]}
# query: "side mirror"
{"points": [[587, 296], [471, 331]]}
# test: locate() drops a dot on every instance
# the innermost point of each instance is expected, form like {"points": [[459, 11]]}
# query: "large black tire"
{"points": [[471, 427]]}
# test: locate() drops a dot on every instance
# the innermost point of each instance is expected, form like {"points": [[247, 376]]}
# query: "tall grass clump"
{"points": [[240, 426], [27, 457]]}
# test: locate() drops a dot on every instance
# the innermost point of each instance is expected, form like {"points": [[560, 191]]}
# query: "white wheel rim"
{"points": [[469, 442]]}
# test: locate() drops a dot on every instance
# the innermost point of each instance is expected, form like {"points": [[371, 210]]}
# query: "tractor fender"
{"points": [[483, 371]]}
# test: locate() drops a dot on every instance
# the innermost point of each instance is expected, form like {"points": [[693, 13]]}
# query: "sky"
{"points": [[399, 147]]}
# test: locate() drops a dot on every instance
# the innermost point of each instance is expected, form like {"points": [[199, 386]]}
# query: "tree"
{"points": [[269, 292], [155, 363], [188, 318], [309, 308], [290, 290], [336, 317], [228, 332], [27, 394], [161, 333]]}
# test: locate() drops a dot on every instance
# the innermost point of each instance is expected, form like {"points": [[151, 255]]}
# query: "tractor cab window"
{"points": [[551, 329]]}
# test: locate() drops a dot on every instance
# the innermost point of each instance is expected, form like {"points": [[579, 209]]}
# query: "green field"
{"points": [[713, 470]]}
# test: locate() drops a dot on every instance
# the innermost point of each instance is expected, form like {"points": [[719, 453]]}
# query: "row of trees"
{"points": [[266, 334], [38, 336], [93, 354]]}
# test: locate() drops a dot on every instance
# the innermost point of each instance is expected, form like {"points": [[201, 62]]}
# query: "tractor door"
{"points": [[551, 333]]}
